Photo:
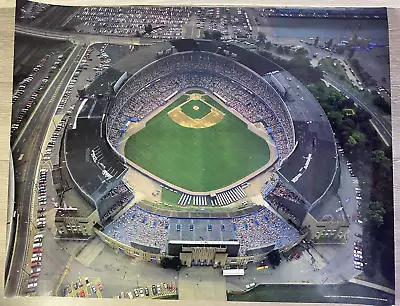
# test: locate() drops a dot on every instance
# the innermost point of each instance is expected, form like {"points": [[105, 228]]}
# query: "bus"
{"points": [[233, 272]]}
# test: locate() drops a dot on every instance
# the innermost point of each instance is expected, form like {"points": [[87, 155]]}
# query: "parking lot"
{"points": [[30, 89], [118, 273]]}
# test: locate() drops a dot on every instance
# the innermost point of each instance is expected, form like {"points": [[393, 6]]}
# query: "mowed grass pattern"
{"points": [[203, 110], [197, 159]]}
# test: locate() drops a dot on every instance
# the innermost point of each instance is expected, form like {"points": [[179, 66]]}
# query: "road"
{"points": [[382, 124], [29, 143], [79, 38]]}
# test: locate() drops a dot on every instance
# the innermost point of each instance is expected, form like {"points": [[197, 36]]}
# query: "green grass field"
{"points": [[203, 110], [197, 159], [194, 91], [170, 197]]}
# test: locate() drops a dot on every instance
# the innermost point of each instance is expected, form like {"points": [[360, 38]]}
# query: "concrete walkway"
{"points": [[202, 283]]}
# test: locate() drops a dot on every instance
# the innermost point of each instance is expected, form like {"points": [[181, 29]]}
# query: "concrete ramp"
{"points": [[90, 252]]}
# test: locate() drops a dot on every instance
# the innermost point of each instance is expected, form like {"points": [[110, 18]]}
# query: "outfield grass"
{"points": [[195, 91], [197, 159], [203, 110]]}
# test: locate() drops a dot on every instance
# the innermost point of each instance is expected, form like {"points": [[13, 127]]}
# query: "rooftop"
{"points": [[314, 159], [140, 58], [201, 230], [72, 198], [93, 165]]}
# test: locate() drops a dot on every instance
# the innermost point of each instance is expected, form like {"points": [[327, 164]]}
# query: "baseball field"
{"points": [[197, 144]]}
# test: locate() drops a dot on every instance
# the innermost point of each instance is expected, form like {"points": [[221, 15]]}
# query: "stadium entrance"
{"points": [[203, 253]]}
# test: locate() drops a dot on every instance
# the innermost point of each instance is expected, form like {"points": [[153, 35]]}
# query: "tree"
{"points": [[148, 28], [286, 49], [301, 52], [351, 142], [378, 156], [316, 40], [279, 49], [274, 257], [375, 214], [351, 53], [261, 37], [173, 263], [381, 103], [207, 34], [329, 43], [268, 45], [359, 137], [214, 35]]}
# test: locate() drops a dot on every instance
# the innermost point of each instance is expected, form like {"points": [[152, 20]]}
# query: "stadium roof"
{"points": [[312, 165], [329, 210], [92, 163], [201, 230], [140, 58], [91, 108], [100, 85]]}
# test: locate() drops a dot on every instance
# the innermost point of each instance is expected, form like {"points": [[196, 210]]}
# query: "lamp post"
{"points": [[137, 281]]}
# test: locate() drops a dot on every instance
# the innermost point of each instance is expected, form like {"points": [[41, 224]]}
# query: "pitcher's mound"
{"points": [[196, 107]]}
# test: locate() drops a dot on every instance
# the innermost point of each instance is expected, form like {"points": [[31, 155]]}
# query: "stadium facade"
{"points": [[294, 209]]}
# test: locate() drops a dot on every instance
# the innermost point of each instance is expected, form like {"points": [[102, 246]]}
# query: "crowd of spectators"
{"points": [[281, 209], [262, 229], [240, 88], [281, 191], [166, 22], [141, 227], [120, 189], [118, 206]]}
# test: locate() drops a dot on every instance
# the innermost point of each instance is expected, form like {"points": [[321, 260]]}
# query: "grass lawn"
{"points": [[170, 197], [203, 109], [197, 159]]}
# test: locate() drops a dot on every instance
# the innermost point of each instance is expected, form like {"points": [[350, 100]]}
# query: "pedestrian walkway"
{"points": [[372, 285], [202, 283], [90, 252]]}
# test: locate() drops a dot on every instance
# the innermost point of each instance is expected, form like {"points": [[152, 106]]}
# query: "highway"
{"points": [[29, 143], [80, 38], [382, 124]]}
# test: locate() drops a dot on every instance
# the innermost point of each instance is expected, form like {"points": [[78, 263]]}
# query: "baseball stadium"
{"points": [[194, 150]]}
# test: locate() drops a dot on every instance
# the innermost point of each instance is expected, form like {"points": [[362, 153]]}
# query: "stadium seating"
{"points": [[239, 87], [257, 230]]}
